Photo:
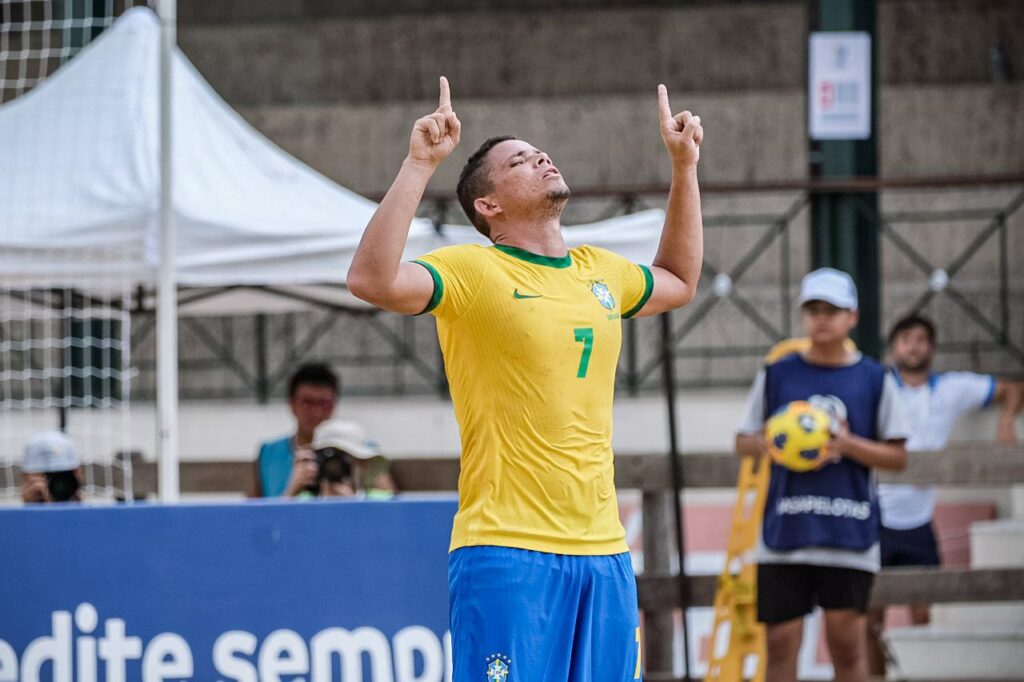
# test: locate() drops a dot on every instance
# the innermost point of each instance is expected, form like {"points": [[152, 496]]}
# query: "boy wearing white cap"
{"points": [[50, 470], [819, 539]]}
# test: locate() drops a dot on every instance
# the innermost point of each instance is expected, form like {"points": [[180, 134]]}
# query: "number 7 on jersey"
{"points": [[584, 335]]}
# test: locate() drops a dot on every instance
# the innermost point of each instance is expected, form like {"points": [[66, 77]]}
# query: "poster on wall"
{"points": [[839, 86]]}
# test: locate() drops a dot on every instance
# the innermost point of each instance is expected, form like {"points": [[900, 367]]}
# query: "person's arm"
{"points": [[889, 451], [255, 485], [750, 434], [1009, 394], [750, 444], [377, 274], [676, 267], [304, 473], [34, 488], [890, 454]]}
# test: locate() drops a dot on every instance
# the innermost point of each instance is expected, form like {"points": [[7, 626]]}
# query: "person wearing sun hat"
{"points": [[370, 470], [50, 469]]}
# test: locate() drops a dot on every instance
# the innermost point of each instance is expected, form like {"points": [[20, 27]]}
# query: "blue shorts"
{"points": [[523, 616]]}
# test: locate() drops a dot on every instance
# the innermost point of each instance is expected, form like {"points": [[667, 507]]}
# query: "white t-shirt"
{"points": [[933, 408], [893, 424]]}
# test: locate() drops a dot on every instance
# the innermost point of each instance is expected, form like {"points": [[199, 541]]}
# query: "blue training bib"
{"points": [[836, 506]]}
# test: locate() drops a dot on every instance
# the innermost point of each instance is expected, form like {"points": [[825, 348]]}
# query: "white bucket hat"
{"points": [[48, 451], [348, 436]]}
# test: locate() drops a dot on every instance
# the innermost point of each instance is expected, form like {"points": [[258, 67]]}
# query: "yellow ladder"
{"points": [[736, 597]]}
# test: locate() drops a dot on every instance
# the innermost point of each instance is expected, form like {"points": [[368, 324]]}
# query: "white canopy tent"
{"points": [[83, 189], [80, 199]]}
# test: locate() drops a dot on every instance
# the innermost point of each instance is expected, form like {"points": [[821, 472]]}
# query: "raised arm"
{"points": [[377, 274], [676, 266], [1009, 394]]}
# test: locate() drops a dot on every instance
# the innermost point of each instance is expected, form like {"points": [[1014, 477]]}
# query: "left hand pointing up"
{"points": [[682, 133]]}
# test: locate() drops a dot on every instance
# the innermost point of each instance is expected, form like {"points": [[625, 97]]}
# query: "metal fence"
{"points": [[949, 248]]}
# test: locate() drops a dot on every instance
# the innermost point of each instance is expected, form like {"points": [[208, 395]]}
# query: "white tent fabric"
{"points": [[82, 183]]}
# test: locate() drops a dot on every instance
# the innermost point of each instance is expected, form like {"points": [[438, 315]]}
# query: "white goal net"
{"points": [[65, 309]]}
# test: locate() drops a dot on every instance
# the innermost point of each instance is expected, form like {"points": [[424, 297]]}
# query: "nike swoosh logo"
{"points": [[516, 294]]}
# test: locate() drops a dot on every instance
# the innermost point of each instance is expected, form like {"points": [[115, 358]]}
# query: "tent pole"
{"points": [[167, 294], [676, 467]]}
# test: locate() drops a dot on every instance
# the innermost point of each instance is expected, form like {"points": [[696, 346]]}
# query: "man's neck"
{"points": [[543, 238], [914, 378], [830, 354], [302, 438]]}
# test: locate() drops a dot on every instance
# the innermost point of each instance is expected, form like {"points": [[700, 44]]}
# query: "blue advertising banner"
{"points": [[263, 591]]}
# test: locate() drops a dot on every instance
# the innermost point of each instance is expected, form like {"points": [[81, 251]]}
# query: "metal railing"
{"points": [[947, 248]]}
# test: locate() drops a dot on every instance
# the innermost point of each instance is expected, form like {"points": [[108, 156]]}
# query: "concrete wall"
{"points": [[752, 135], [596, 141], [315, 50], [339, 84], [948, 41], [502, 54], [973, 129]]}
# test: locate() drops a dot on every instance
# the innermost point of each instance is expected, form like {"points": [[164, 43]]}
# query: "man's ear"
{"points": [[486, 207]]}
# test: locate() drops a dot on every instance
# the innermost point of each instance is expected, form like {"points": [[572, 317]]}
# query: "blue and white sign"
{"points": [[258, 592], [839, 86]]}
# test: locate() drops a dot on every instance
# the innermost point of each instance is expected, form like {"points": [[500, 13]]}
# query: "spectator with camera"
{"points": [[344, 461], [51, 470], [283, 466]]}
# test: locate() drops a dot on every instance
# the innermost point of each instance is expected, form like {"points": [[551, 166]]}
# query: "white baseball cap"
{"points": [[829, 285], [48, 451], [348, 436]]}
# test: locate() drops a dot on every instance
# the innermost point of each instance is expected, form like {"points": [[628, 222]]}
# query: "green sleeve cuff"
{"points": [[435, 299], [648, 290]]}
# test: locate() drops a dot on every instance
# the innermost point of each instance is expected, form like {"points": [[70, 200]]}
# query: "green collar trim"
{"points": [[547, 261]]}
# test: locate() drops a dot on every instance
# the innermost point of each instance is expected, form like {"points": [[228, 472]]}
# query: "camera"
{"points": [[333, 466], [63, 485]]}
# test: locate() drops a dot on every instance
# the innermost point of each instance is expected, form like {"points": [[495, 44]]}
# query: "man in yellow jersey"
{"points": [[541, 585]]}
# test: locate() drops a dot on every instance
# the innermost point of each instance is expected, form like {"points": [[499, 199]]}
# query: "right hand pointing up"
{"points": [[435, 136]]}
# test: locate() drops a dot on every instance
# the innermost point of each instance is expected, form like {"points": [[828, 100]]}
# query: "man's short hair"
{"points": [[314, 374], [474, 182], [909, 322]]}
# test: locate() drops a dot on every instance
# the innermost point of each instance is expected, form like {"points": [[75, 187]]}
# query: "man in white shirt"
{"points": [[933, 401]]}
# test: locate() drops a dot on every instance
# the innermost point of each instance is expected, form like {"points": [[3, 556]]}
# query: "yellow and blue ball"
{"points": [[797, 435]]}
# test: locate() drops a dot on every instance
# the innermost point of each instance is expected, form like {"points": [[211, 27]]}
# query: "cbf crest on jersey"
{"points": [[604, 296], [498, 667]]}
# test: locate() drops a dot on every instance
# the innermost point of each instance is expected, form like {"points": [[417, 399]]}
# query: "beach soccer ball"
{"points": [[797, 435]]}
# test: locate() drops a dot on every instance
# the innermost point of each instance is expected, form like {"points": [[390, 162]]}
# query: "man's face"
{"points": [[312, 404], [826, 323], [912, 350], [523, 177]]}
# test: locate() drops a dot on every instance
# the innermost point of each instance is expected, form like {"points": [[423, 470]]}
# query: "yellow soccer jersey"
{"points": [[531, 345]]}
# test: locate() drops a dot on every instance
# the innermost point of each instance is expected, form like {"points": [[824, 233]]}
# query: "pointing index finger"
{"points": [[664, 110], [445, 102]]}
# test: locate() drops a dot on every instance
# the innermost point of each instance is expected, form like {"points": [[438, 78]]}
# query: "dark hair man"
{"points": [[934, 401], [540, 580], [313, 392]]}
